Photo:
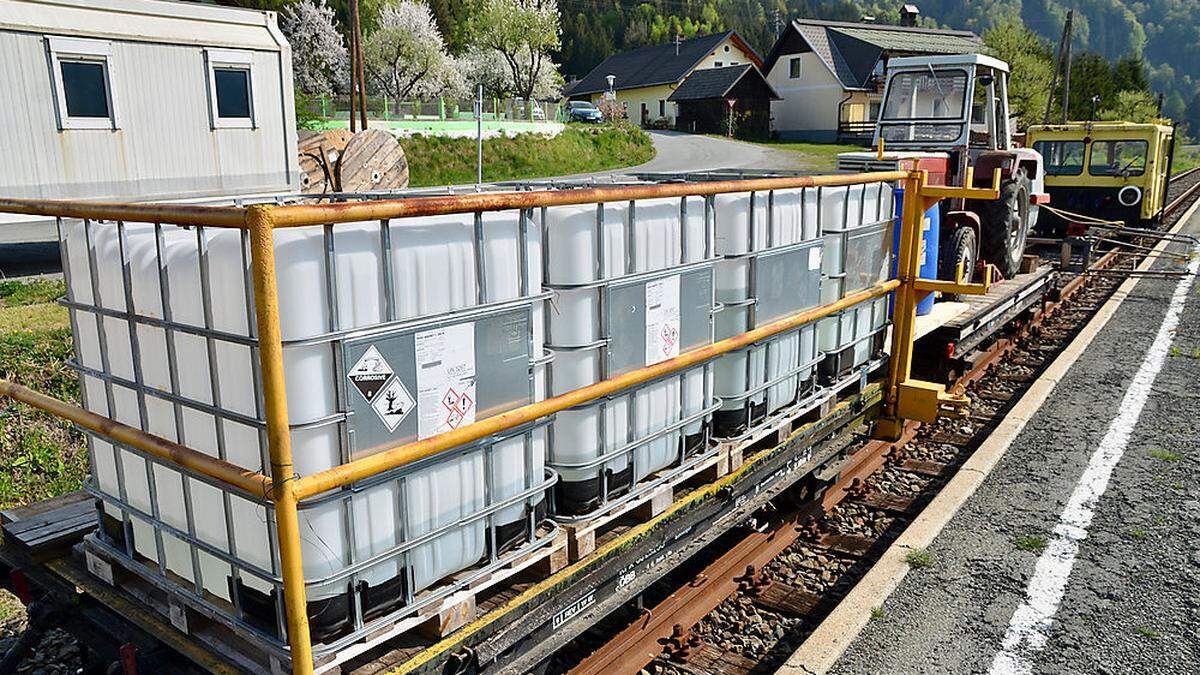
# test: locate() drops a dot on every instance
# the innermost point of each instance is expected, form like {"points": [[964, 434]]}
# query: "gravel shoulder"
{"points": [[1132, 602]]}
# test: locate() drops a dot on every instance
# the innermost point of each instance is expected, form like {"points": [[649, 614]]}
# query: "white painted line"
{"points": [[826, 644], [1029, 628]]}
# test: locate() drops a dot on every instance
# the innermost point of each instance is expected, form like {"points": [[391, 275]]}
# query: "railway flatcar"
{"points": [[1107, 170]]}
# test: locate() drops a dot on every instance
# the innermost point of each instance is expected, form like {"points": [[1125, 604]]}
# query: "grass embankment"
{"points": [[1185, 158], [439, 160], [40, 455]]}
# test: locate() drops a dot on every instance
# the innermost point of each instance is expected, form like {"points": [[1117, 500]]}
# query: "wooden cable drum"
{"points": [[316, 175], [373, 160]]}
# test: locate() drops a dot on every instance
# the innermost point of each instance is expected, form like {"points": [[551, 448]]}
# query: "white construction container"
{"points": [[632, 284], [856, 222], [392, 332], [770, 268]]}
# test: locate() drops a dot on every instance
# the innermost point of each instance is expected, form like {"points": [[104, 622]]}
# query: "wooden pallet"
{"points": [[646, 505], [44, 530], [244, 649]]}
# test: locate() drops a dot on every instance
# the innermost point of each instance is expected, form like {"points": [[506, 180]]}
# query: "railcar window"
{"points": [[1063, 158], [1118, 158]]}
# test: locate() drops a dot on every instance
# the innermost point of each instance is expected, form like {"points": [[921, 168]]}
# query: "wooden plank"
{"points": [[788, 599]]}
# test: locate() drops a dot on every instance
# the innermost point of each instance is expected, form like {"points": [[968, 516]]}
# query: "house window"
{"points": [[716, 64], [795, 68], [230, 88], [82, 83], [874, 111], [662, 108], [726, 48]]}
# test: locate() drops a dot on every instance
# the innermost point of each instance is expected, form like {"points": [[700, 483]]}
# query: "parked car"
{"points": [[583, 111]]}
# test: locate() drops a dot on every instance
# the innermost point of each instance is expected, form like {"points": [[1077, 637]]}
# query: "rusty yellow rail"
{"points": [[286, 489]]}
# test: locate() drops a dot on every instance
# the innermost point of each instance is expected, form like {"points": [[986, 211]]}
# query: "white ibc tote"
{"points": [[176, 357], [770, 268], [632, 285], [856, 222]]}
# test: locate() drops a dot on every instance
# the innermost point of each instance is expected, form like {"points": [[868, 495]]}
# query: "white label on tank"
{"points": [[98, 567], [370, 374], [814, 258], [393, 404], [662, 319], [445, 379]]}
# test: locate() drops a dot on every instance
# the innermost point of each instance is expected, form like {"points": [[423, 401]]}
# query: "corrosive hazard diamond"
{"points": [[393, 404], [370, 373]]}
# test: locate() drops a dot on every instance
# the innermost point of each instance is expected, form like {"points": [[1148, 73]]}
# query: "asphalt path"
{"points": [[1117, 587], [677, 151]]}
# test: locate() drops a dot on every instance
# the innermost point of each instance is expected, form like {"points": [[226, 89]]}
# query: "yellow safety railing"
{"points": [[904, 398]]}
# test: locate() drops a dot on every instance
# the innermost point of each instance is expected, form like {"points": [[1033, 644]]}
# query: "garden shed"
{"points": [[707, 98]]}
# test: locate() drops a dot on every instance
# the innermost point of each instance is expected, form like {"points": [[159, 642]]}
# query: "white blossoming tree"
{"points": [[523, 33], [319, 56], [406, 55]]}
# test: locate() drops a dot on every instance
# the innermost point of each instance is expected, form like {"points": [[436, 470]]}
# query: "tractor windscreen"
{"points": [[924, 106]]}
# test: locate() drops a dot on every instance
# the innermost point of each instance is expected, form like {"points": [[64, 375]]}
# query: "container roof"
{"points": [[163, 21]]}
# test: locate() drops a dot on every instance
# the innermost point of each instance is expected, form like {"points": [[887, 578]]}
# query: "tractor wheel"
{"points": [[1005, 224], [960, 247]]}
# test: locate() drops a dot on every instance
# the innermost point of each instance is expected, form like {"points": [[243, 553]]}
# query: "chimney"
{"points": [[909, 14]]}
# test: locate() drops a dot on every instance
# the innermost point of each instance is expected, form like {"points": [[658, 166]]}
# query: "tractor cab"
{"points": [[945, 114]]}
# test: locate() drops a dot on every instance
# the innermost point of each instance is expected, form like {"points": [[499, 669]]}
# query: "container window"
{"points": [[233, 92], [1118, 158], [85, 86], [795, 68], [82, 79], [231, 88], [1063, 158]]}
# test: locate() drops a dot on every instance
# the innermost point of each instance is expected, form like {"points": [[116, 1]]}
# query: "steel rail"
{"points": [[408, 453], [1185, 195], [248, 481]]}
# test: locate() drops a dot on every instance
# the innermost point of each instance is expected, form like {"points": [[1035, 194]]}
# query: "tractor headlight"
{"points": [[1130, 195]]}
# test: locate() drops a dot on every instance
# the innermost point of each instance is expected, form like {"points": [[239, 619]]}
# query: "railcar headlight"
{"points": [[1130, 195]]}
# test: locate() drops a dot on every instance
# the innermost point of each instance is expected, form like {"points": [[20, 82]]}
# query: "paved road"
{"points": [[678, 151], [1130, 600]]}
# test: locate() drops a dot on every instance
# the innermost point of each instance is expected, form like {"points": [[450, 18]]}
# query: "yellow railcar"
{"points": [[1109, 170]]}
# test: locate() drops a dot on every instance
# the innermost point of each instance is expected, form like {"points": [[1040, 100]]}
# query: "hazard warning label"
{"points": [[445, 378], [393, 404], [662, 319], [370, 374]]}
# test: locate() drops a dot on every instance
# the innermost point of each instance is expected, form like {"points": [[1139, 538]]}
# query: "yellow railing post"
{"points": [[270, 355]]}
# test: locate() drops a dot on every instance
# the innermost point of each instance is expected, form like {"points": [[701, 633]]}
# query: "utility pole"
{"points": [[360, 72], [479, 137], [353, 72], [1061, 66]]}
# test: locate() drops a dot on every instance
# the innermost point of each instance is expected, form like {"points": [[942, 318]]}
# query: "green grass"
{"points": [[1031, 543], [37, 291], [438, 160], [1165, 455], [40, 455], [919, 558], [1137, 533], [1147, 632], [813, 156], [877, 613], [1185, 158]]}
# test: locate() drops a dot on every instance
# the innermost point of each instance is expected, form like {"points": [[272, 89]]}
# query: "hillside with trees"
{"points": [[476, 40]]}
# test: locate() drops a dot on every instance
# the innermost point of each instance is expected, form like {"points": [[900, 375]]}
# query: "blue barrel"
{"points": [[930, 228]]}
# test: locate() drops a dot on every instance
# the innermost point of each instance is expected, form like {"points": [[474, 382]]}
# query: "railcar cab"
{"points": [[1108, 170]]}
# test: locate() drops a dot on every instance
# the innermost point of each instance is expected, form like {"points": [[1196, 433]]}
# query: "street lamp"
{"points": [[612, 95]]}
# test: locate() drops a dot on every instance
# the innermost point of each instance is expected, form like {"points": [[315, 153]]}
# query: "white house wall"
{"points": [[165, 145], [808, 109]]}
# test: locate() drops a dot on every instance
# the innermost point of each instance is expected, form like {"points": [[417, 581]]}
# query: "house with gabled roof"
{"points": [[829, 74], [644, 79]]}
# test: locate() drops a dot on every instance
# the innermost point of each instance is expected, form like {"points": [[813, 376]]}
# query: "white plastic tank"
{"points": [[622, 274], [769, 242], [194, 380], [856, 223]]}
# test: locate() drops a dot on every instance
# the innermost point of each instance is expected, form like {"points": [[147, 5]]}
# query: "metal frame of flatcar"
{"points": [[903, 397]]}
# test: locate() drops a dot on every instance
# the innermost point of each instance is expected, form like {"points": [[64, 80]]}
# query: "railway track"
{"points": [[745, 607]]}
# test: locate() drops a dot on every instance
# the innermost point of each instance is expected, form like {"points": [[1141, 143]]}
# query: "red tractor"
{"points": [[945, 114]]}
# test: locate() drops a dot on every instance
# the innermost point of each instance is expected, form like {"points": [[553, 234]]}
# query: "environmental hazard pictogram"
{"points": [[393, 404]]}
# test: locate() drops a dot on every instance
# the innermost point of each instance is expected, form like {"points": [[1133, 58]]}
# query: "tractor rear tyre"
{"points": [[1005, 224], [961, 247]]}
